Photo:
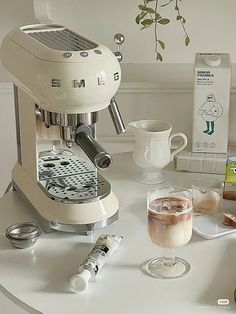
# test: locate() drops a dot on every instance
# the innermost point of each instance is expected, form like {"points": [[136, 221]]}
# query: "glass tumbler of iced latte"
{"points": [[169, 211]]}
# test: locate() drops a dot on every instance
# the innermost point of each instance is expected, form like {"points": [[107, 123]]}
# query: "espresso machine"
{"points": [[61, 81]]}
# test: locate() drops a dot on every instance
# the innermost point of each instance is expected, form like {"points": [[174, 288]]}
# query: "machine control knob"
{"points": [[119, 39]]}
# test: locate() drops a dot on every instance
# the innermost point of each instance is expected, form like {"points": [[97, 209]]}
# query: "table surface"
{"points": [[36, 280]]}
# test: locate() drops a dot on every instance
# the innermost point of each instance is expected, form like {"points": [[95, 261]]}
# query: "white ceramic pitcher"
{"points": [[152, 150]]}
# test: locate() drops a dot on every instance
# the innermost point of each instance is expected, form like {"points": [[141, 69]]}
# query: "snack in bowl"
{"points": [[230, 219]]}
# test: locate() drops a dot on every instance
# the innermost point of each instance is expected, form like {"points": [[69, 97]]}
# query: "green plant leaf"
{"points": [[137, 19], [164, 21], [148, 10], [187, 40], [140, 17], [141, 7], [147, 22], [148, 16], [162, 44], [159, 57], [157, 16], [165, 4]]}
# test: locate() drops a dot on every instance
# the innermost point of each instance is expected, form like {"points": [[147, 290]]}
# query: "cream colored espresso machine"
{"points": [[61, 81]]}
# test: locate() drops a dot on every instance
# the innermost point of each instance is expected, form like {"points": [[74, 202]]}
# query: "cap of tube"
{"points": [[213, 60], [79, 282]]}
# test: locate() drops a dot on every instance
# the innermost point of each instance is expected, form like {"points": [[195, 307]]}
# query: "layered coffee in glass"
{"points": [[169, 211]]}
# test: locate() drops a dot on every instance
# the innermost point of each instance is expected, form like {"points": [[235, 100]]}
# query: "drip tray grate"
{"points": [[71, 179]]}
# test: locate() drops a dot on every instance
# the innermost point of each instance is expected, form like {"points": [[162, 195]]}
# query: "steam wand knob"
{"points": [[119, 39]]}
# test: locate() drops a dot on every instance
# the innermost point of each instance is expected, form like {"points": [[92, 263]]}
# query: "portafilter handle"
{"points": [[96, 153]]}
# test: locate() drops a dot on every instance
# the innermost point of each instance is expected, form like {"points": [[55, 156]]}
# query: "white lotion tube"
{"points": [[102, 250]]}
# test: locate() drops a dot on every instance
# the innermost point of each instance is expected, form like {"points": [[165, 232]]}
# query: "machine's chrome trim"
{"points": [[82, 229], [17, 121], [70, 120]]}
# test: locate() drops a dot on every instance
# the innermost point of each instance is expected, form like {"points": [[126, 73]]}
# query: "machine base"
{"points": [[81, 229]]}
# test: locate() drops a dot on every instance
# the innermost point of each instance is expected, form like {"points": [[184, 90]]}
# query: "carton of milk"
{"points": [[211, 102]]}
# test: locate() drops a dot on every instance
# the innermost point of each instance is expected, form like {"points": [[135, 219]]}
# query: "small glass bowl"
{"points": [[23, 235]]}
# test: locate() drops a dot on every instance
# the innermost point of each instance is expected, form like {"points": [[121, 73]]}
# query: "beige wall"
{"points": [[211, 24], [14, 13]]}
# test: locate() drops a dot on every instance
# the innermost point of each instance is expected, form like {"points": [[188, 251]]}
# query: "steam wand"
{"points": [[113, 107]]}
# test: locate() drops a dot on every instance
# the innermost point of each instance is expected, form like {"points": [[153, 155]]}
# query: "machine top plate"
{"points": [[62, 39]]}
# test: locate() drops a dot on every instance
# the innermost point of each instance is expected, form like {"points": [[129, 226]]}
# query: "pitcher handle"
{"points": [[181, 146]]}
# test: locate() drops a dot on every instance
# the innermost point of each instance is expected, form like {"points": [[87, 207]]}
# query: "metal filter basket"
{"points": [[23, 235]]}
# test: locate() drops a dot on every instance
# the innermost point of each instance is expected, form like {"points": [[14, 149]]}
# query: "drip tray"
{"points": [[71, 179]]}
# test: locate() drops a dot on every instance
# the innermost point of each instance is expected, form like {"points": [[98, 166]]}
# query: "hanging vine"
{"points": [[150, 15]]}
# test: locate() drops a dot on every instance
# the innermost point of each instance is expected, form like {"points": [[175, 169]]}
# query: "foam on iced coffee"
{"points": [[170, 221], [170, 205]]}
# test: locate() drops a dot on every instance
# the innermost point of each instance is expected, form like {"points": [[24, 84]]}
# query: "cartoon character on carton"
{"points": [[210, 111]]}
